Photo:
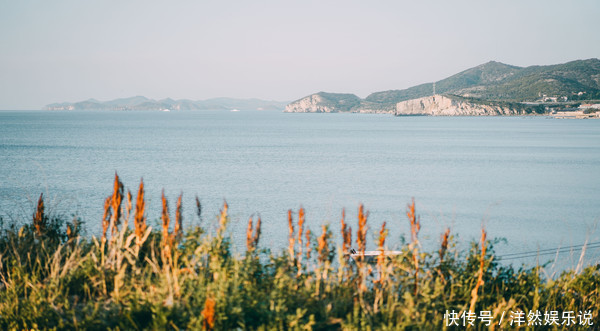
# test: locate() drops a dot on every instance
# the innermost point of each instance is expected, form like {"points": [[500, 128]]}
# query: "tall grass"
{"points": [[143, 278]]}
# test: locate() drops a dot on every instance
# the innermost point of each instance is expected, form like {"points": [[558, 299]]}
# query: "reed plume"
{"points": [[480, 281], [39, 220], [139, 218]]}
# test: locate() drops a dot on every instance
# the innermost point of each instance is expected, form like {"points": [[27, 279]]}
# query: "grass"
{"points": [[138, 278]]}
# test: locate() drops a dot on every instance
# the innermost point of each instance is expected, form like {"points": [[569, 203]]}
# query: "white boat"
{"points": [[235, 110], [370, 257]]}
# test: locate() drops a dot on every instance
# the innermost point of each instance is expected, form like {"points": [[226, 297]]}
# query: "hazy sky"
{"points": [[55, 51]]}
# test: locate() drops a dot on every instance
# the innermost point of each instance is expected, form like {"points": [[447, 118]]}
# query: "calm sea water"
{"points": [[534, 181]]}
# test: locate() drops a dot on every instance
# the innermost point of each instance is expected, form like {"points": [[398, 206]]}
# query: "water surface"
{"points": [[532, 180]]}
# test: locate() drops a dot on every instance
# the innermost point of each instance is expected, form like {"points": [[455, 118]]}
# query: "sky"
{"points": [[72, 50]]}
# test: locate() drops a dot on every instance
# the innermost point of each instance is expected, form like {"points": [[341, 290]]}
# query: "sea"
{"points": [[533, 183]]}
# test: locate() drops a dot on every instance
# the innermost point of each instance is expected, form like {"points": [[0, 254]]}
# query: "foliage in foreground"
{"points": [[142, 278]]}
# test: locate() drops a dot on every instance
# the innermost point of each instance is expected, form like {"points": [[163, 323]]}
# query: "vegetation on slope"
{"points": [[136, 277], [495, 81], [501, 82]]}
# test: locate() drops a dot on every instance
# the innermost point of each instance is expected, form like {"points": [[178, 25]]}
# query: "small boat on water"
{"points": [[235, 110], [166, 109], [370, 257]]}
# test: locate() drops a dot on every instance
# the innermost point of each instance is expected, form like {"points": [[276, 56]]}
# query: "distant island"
{"points": [[143, 103], [492, 88]]}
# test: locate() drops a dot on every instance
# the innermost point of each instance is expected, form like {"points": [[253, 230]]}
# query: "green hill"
{"points": [[491, 81]]}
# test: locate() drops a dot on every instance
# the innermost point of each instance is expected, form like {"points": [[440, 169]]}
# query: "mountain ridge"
{"points": [[144, 103], [490, 81]]}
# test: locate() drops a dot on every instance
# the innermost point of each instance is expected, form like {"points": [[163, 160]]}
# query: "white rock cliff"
{"points": [[310, 104], [439, 105]]}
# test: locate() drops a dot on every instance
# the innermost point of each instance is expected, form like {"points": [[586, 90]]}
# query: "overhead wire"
{"points": [[549, 251]]}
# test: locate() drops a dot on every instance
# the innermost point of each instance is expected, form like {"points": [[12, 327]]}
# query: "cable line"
{"points": [[549, 251]]}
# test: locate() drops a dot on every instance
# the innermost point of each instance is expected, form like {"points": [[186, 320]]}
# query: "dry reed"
{"points": [[178, 230], [346, 234], [223, 220], [361, 242], [73, 229], [129, 205], [380, 247], [308, 249], [300, 233], [322, 257], [415, 227], [444, 246], [480, 281], [106, 216], [381, 280], [165, 219]]}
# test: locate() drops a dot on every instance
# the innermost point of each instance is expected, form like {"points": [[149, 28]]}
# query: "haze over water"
{"points": [[531, 180]]}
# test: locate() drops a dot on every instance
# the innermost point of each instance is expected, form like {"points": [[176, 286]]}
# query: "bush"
{"points": [[144, 278]]}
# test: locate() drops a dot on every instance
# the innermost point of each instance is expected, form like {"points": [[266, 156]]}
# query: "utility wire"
{"points": [[555, 248], [549, 251]]}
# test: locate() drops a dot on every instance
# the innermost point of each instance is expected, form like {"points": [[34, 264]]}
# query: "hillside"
{"points": [[491, 81], [143, 103]]}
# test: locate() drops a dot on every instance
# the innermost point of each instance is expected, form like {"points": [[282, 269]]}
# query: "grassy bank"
{"points": [[136, 277]]}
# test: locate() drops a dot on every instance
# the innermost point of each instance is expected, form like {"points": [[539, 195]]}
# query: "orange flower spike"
{"points": [[249, 246], [139, 219], [165, 218], [208, 314], [444, 246], [291, 235]]}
